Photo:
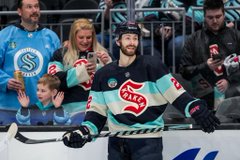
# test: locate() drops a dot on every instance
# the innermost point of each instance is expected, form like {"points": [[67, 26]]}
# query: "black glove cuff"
{"points": [[198, 107], [85, 131]]}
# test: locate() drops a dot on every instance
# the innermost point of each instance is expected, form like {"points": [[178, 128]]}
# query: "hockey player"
{"points": [[132, 93]]}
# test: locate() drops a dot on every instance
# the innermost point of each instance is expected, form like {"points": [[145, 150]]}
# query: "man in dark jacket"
{"points": [[205, 51]]}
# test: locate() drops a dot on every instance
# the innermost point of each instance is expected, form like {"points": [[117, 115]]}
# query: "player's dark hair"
{"points": [[213, 4]]}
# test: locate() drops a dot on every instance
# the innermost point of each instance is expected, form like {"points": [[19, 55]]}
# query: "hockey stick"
{"points": [[27, 140], [11, 132]]}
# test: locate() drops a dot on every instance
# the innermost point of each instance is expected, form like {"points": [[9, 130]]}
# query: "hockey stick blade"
{"points": [[12, 131], [27, 140]]}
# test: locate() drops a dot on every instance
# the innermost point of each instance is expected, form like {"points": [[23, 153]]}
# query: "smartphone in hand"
{"points": [[92, 57], [217, 56]]}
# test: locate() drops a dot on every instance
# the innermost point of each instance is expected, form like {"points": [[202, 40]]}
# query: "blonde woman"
{"points": [[75, 65]]}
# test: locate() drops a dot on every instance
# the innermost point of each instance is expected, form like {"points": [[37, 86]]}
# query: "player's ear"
{"points": [[118, 42]]}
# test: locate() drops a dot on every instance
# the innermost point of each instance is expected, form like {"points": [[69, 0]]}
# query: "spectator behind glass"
{"points": [[232, 15], [118, 17], [204, 53], [74, 70], [164, 31], [27, 47], [131, 94], [48, 110]]}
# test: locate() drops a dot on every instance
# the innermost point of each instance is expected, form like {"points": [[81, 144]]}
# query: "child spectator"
{"points": [[48, 109]]}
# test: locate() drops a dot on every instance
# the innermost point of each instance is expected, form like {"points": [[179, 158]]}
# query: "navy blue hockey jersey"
{"points": [[134, 97]]}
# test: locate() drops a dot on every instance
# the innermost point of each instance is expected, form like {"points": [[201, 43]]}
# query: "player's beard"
{"points": [[126, 51]]}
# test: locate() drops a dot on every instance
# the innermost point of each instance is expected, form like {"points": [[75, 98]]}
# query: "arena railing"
{"points": [[102, 23], [59, 24]]}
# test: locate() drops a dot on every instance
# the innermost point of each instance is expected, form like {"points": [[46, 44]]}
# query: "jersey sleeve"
{"points": [[173, 91], [61, 116], [4, 38], [70, 77], [23, 116], [96, 109]]}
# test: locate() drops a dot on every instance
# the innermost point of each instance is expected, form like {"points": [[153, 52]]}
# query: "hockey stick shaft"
{"points": [[141, 131], [27, 140]]}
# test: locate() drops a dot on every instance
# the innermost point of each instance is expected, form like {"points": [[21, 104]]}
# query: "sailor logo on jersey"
{"points": [[128, 93], [29, 61], [112, 82]]}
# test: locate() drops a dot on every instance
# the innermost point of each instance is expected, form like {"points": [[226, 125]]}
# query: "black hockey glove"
{"points": [[204, 117], [231, 63], [75, 139]]}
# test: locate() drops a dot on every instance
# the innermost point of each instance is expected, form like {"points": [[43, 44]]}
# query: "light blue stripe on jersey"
{"points": [[97, 97], [156, 123], [187, 114], [72, 78], [164, 83], [150, 88], [91, 126]]}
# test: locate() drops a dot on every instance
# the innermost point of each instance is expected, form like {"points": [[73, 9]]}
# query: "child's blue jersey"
{"points": [[29, 52]]}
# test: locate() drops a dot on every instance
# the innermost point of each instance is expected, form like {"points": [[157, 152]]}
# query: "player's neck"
{"points": [[29, 27], [125, 60]]}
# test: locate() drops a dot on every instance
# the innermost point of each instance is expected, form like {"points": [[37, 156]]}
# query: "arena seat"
{"points": [[3, 18], [173, 116], [67, 19], [172, 112], [228, 111], [76, 4]]}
